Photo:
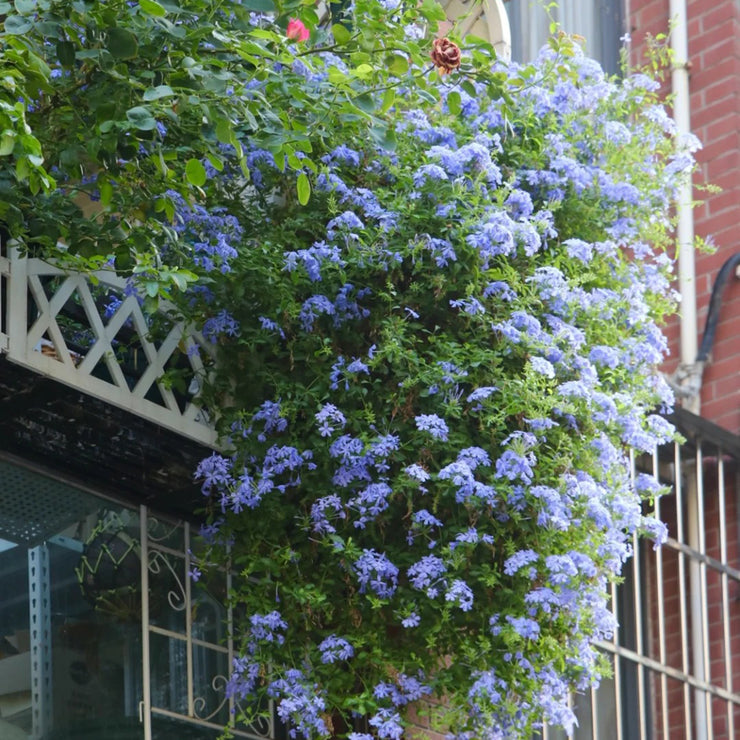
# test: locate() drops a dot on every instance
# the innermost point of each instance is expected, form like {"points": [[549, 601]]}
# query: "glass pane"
{"points": [[600, 23], [71, 613]]}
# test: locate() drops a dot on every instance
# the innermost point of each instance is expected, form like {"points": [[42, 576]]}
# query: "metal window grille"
{"points": [[676, 655], [187, 645]]}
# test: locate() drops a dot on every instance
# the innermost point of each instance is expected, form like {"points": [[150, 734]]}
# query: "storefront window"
{"points": [[86, 652], [68, 668]]}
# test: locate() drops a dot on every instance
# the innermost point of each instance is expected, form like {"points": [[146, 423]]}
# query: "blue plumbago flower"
{"points": [[520, 560], [473, 457], [433, 424], [481, 393], [244, 677], [429, 172], [314, 307], [425, 519], [561, 568], [404, 689], [412, 620], [334, 649], [299, 704], [324, 509], [374, 569], [387, 724], [655, 529], [501, 289], [211, 234], [255, 158], [461, 594], [471, 306], [270, 414], [555, 511], [313, 259], [357, 366], [347, 221], [221, 324], [266, 628], [515, 466], [329, 418], [416, 472], [215, 472], [425, 574], [370, 502], [525, 627], [343, 154], [461, 475], [442, 251], [542, 366]]}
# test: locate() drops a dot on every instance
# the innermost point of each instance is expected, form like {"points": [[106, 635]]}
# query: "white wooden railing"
{"points": [[55, 322]]}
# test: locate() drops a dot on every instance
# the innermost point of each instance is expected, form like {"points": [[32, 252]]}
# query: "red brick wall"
{"points": [[714, 57]]}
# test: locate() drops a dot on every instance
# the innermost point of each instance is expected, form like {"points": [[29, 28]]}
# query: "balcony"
{"points": [[90, 333]]}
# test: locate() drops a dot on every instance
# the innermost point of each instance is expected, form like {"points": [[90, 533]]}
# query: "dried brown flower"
{"points": [[445, 55]]}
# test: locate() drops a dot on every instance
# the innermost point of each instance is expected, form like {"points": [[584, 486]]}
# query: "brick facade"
{"points": [[714, 59], [714, 69]]}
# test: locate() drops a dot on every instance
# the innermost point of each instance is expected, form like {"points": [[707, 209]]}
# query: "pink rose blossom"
{"points": [[297, 31]]}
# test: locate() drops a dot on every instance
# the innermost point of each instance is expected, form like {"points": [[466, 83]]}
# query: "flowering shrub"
{"points": [[435, 299]]}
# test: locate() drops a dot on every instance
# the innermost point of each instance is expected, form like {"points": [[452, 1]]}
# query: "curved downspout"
{"points": [[689, 371]]}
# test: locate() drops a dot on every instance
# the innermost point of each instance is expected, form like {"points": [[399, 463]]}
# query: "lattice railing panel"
{"points": [[91, 333]]}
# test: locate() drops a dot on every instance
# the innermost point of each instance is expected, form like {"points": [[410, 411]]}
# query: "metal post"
{"points": [[696, 580], [680, 536], [146, 701], [721, 502], [39, 602], [661, 615]]}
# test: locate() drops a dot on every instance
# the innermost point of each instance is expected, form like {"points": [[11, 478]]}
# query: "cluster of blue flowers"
{"points": [[461, 352]]}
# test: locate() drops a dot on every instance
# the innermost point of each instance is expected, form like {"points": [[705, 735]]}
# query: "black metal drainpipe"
{"points": [[710, 327]]}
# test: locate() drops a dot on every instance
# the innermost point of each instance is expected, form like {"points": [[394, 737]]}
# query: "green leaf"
{"points": [[66, 53], [215, 161], [17, 25], [151, 7], [155, 93], [341, 33], [363, 71], [365, 102], [304, 189], [224, 132], [454, 102], [106, 192], [336, 76], [433, 11], [142, 118], [469, 88], [398, 65], [7, 143], [26, 7], [196, 172], [122, 44], [259, 6], [388, 99], [384, 136]]}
